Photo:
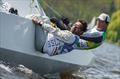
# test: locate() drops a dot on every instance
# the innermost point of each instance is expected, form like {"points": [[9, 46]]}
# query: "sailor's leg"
{"points": [[40, 38]]}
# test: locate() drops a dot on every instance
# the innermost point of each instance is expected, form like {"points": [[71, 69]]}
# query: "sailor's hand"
{"points": [[37, 21]]}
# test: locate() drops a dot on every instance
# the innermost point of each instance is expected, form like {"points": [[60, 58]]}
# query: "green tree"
{"points": [[76, 9], [113, 34]]}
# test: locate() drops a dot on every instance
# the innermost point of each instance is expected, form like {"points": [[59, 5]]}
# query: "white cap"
{"points": [[104, 17]]}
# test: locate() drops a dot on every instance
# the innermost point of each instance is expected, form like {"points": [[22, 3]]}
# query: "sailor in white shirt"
{"points": [[63, 41], [98, 33]]}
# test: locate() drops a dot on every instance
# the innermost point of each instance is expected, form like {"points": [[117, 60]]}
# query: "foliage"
{"points": [[113, 34], [76, 9]]}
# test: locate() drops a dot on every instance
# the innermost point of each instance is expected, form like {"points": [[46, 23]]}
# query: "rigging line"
{"points": [[31, 3], [35, 4], [51, 8], [40, 9]]}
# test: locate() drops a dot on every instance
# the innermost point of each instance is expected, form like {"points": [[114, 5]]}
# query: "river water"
{"points": [[105, 65]]}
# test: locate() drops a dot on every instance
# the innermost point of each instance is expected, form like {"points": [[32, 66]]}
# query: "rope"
{"points": [[34, 4], [51, 8]]}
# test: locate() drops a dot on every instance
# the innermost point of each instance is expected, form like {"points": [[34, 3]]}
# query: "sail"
{"points": [[92, 23], [25, 7]]}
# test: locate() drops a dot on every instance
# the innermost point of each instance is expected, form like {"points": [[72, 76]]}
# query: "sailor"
{"points": [[62, 41], [98, 33]]}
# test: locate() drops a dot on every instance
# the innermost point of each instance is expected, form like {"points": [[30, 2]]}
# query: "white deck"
{"points": [[25, 7]]}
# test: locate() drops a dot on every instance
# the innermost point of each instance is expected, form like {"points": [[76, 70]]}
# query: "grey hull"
{"points": [[38, 64]]}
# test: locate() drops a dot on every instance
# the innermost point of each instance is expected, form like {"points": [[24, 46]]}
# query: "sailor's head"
{"points": [[103, 21], [79, 27]]}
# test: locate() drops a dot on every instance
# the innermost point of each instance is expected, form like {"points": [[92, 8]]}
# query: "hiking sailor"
{"points": [[63, 41], [98, 33]]}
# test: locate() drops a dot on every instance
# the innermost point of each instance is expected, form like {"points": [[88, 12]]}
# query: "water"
{"points": [[17, 72], [105, 65]]}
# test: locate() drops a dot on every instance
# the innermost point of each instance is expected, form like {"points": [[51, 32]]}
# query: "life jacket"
{"points": [[53, 25]]}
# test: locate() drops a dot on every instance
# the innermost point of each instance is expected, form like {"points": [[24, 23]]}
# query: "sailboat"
{"points": [[17, 39]]}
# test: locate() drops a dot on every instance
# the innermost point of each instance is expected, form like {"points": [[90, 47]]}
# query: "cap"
{"points": [[104, 17]]}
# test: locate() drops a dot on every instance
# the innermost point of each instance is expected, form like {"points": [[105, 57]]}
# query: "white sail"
{"points": [[92, 23]]}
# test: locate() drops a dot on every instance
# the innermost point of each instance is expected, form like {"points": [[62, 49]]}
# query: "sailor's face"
{"points": [[101, 24], [77, 28]]}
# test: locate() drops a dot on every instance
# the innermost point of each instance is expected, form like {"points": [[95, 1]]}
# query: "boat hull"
{"points": [[17, 39]]}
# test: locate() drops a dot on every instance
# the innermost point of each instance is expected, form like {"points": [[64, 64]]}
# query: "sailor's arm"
{"points": [[93, 37], [62, 35]]}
